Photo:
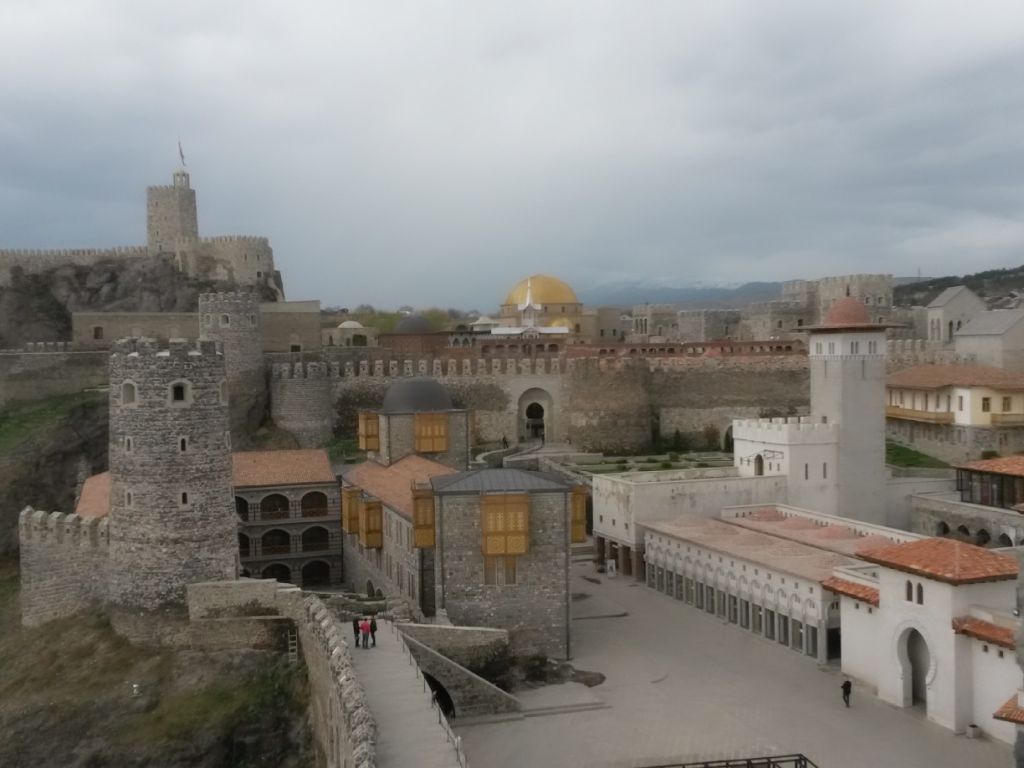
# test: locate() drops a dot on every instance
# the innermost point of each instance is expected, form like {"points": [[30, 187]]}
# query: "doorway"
{"points": [[915, 659], [535, 421]]}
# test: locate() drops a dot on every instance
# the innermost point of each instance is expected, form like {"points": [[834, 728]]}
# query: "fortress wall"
{"points": [[909, 353], [112, 326], [241, 259], [609, 408], [35, 375], [64, 563], [288, 323], [300, 401], [36, 261]]}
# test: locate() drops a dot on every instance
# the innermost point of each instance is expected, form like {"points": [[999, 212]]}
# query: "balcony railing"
{"points": [[911, 414], [777, 761], [1008, 419]]}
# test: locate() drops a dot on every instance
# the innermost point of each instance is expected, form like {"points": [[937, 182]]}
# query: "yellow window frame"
{"points": [[431, 431]]}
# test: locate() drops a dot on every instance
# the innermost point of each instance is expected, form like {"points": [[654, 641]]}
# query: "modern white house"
{"points": [[931, 623]]}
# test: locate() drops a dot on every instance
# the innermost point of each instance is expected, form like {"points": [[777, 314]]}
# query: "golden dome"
{"points": [[544, 289], [561, 322]]}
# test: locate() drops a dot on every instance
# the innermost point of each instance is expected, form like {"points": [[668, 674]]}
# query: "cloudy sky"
{"points": [[434, 152]]}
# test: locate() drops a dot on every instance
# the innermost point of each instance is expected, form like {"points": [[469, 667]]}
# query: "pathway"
{"points": [[408, 731]]}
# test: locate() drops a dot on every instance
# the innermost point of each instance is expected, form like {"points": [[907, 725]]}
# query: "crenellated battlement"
{"points": [[229, 297], [65, 529], [179, 349], [789, 429], [240, 239], [37, 347], [35, 260], [72, 253], [313, 370]]}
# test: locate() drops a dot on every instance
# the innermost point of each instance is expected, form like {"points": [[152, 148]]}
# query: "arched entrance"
{"points": [[535, 415], [915, 659], [316, 573], [277, 571], [758, 465]]}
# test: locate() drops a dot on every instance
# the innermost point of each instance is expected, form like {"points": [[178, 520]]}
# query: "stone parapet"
{"points": [[791, 430], [33, 261]]}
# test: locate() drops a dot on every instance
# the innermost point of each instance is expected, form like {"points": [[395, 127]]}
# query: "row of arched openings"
{"points": [[277, 507], [313, 573], [980, 537], [279, 542]]}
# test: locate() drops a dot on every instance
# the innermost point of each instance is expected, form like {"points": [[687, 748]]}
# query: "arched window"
{"points": [[184, 498], [241, 508], [276, 542], [920, 594], [182, 444], [942, 529], [758, 465], [128, 393], [314, 504], [316, 573], [1005, 541], [274, 507], [243, 545], [909, 591], [315, 539], [982, 538]]}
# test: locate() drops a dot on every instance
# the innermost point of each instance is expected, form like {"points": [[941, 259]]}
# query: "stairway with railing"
{"points": [[773, 761]]}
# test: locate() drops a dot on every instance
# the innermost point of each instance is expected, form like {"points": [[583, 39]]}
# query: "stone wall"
{"points": [[35, 375], [535, 610], [64, 561], [291, 323], [36, 261], [929, 511], [97, 330], [300, 400], [955, 443], [470, 647]]}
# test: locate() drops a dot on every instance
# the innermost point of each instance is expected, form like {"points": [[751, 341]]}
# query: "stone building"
{"points": [[956, 412], [483, 547], [994, 338], [288, 505], [950, 311]]}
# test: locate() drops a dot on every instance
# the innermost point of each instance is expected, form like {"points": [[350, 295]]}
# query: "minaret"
{"points": [[528, 308], [847, 357]]}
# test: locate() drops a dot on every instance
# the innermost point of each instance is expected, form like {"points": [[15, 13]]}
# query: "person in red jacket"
{"points": [[364, 630]]}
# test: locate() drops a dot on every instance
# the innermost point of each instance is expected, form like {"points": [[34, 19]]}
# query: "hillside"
{"points": [[994, 286], [687, 297]]}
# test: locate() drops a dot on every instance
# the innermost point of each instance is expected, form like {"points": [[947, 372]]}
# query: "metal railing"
{"points": [[772, 761], [455, 741]]}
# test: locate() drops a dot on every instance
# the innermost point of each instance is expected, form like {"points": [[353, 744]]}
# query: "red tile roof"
{"points": [[393, 484], [938, 376], [260, 469], [95, 498], [980, 629], [852, 589], [1005, 465], [1011, 712], [847, 311], [954, 562]]}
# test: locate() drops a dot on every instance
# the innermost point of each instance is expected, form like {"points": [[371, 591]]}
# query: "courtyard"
{"points": [[681, 685]]}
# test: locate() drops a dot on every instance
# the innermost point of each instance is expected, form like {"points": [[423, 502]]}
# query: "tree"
{"points": [[712, 437]]}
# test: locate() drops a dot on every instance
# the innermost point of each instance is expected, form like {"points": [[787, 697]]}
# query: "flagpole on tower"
{"points": [[181, 153]]}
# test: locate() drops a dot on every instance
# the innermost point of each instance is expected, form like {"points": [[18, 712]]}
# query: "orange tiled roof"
{"points": [[1011, 712], [852, 589], [1005, 465], [980, 629], [256, 469], [938, 376], [95, 498], [954, 562], [393, 484]]}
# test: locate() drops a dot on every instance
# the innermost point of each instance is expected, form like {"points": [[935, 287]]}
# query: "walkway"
{"points": [[408, 732], [682, 686]]}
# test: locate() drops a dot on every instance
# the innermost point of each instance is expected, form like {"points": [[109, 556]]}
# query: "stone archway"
{"points": [[535, 415]]}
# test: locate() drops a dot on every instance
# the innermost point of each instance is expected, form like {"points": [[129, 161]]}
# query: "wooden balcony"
{"points": [[1007, 419], [925, 417]]}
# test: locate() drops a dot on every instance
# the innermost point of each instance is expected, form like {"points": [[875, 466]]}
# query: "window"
{"points": [[920, 594], [369, 431], [97, 332], [127, 445], [817, 348], [578, 520], [500, 571], [350, 497], [182, 444], [184, 498], [423, 517], [959, 402], [225, 321], [854, 347], [179, 393], [505, 522], [1007, 404], [783, 630], [128, 499], [700, 595], [709, 599], [824, 470], [807, 471], [431, 432], [769, 624], [909, 591], [986, 404], [128, 393], [755, 624], [812, 641]]}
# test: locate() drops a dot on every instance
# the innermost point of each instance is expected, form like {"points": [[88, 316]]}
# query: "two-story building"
{"points": [[956, 412]]}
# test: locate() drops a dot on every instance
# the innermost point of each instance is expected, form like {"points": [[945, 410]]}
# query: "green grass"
{"points": [[21, 421], [901, 456], [345, 447]]}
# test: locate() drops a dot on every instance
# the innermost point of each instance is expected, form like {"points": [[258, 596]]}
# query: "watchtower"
{"points": [[171, 214], [172, 519], [233, 320]]}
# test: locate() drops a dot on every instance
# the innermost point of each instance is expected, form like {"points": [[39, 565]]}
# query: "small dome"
{"points": [[413, 324], [544, 289], [561, 322], [847, 311], [419, 394], [350, 324]]}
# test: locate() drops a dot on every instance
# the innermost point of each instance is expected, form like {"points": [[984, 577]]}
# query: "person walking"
{"points": [[355, 630], [373, 630], [847, 687], [364, 630], [504, 442]]}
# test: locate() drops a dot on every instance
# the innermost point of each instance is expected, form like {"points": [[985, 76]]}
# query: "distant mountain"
{"points": [[994, 286], [626, 294]]}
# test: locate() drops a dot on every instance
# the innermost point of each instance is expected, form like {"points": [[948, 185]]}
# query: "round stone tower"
{"points": [[172, 518], [233, 320]]}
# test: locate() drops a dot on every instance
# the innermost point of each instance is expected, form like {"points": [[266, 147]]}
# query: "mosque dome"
{"points": [[544, 289], [561, 322], [845, 312], [419, 394], [351, 324], [413, 324]]}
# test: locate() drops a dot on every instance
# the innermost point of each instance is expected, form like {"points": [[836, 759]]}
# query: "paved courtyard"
{"points": [[681, 685]]}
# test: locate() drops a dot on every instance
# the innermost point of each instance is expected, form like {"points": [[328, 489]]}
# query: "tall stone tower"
{"points": [[171, 214], [172, 518], [233, 321], [847, 357]]}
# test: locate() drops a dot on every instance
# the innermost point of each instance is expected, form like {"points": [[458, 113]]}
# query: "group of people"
{"points": [[365, 629]]}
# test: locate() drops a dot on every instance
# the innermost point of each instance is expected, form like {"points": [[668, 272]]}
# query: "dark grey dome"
{"points": [[413, 324], [416, 395]]}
